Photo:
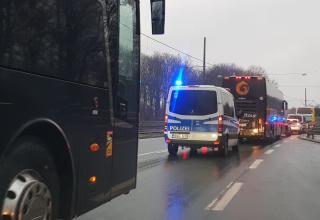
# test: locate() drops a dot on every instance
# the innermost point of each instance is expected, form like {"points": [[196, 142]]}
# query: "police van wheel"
{"points": [[236, 147], [173, 149], [29, 186], [224, 147]]}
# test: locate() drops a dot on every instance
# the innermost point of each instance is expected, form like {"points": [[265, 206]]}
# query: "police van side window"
{"points": [[57, 38]]}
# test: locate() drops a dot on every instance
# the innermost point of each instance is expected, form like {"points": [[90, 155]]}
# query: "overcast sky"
{"points": [[282, 36]]}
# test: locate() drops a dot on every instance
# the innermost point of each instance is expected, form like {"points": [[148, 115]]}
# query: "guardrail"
{"points": [[146, 127], [313, 131]]}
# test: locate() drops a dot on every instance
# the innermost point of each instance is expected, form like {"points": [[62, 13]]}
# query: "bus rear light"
{"points": [[260, 125], [220, 124]]}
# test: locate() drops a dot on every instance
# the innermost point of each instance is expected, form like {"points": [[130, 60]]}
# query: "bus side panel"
{"points": [[82, 113]]}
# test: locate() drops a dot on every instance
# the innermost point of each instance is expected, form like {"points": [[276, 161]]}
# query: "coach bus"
{"points": [[306, 112], [69, 104], [260, 107]]}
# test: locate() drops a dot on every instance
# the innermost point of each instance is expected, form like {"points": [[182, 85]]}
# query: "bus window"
{"points": [[44, 43]]}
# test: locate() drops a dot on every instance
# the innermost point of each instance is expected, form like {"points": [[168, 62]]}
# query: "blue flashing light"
{"points": [[178, 82], [273, 118]]}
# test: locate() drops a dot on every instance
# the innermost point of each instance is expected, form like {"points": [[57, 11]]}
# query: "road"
{"points": [[280, 181]]}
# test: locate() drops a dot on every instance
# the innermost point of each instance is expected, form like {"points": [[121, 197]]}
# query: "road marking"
{"points": [[154, 152], [269, 151], [221, 204], [286, 141], [212, 204], [278, 145], [255, 164]]}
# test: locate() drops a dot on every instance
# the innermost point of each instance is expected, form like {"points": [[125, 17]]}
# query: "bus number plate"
{"points": [[180, 136]]}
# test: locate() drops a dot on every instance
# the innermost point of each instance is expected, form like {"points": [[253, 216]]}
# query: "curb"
{"points": [[309, 139]]}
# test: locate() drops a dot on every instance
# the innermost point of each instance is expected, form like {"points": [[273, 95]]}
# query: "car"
{"points": [[295, 126], [201, 115], [298, 121]]}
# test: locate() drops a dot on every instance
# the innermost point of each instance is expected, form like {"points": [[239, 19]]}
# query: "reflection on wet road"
{"points": [[203, 185]]}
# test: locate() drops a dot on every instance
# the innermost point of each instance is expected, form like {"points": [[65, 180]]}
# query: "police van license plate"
{"points": [[180, 136]]}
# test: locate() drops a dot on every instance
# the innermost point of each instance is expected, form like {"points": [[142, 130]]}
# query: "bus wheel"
{"points": [[224, 147], [173, 149], [29, 186]]}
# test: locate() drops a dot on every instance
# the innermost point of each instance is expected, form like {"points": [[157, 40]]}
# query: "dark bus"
{"points": [[69, 104], [260, 107]]}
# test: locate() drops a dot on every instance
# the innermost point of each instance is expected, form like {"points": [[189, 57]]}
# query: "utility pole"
{"points": [[204, 60], [305, 97]]}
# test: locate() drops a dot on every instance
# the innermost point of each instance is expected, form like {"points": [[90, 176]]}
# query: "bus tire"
{"points": [[29, 185], [173, 149]]}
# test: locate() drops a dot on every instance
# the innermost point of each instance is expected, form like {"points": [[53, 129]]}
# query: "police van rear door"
{"points": [[191, 109]]}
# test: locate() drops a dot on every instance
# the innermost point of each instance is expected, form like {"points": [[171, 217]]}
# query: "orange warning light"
{"points": [[93, 180], [94, 147]]}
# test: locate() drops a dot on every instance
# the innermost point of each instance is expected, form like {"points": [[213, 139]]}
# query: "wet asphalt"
{"points": [[262, 181]]}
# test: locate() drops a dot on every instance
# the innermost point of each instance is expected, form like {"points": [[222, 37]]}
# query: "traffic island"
{"points": [[316, 138]]}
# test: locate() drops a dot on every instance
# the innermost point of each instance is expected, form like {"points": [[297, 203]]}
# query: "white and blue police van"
{"points": [[201, 116]]}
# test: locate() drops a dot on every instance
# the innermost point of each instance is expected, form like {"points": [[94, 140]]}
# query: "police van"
{"points": [[198, 116]]}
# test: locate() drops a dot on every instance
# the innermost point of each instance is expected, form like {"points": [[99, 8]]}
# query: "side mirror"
{"points": [[240, 114], [158, 16]]}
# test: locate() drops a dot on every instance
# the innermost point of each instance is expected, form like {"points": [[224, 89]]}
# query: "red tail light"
{"points": [[220, 124]]}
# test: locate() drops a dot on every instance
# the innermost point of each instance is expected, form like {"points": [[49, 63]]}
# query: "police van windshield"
{"points": [[193, 102]]}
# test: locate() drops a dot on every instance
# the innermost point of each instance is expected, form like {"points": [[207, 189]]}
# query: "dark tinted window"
{"points": [[253, 89], [193, 102], [59, 38], [304, 111], [298, 117], [228, 106]]}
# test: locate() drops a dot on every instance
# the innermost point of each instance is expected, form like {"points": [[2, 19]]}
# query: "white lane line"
{"points": [[222, 203], [211, 204], [269, 151], [255, 164], [154, 152], [286, 141], [278, 145]]}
